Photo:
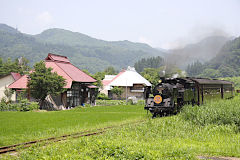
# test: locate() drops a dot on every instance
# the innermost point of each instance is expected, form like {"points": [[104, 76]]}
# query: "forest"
{"points": [[225, 64]]}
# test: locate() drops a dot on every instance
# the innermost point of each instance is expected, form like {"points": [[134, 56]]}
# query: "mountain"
{"points": [[6, 28], [84, 51], [225, 64], [227, 61], [202, 51]]}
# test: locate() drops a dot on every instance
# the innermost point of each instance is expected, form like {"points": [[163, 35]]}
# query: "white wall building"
{"points": [[5, 81], [131, 82]]}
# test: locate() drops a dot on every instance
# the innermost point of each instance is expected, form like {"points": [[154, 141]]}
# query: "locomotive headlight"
{"points": [[157, 99]]}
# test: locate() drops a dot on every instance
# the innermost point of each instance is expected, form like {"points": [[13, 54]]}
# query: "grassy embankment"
{"points": [[212, 129], [17, 127]]}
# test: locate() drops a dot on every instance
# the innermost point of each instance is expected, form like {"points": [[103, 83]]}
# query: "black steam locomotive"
{"points": [[171, 94]]}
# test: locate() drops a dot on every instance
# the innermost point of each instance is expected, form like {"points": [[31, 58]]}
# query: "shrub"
{"points": [[3, 106], [223, 112], [102, 96], [23, 105]]}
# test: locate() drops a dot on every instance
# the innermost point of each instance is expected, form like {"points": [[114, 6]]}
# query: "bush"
{"points": [[23, 105], [102, 96], [223, 112]]}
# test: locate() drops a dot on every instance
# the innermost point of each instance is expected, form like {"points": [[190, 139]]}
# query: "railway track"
{"points": [[13, 148]]}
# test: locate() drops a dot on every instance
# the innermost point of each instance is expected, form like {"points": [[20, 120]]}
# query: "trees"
{"points": [[152, 62], [195, 69], [19, 66], [110, 70], [152, 75], [118, 91], [43, 82], [210, 73]]}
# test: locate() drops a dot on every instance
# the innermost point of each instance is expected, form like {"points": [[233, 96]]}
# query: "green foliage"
{"points": [[227, 71], [117, 91], [223, 112], [110, 71], [98, 76], [43, 82], [210, 73], [152, 75], [152, 62], [83, 51], [8, 93], [194, 69], [6, 67], [102, 96], [25, 105], [22, 105]]}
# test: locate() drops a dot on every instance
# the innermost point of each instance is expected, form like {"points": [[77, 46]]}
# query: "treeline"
{"points": [[225, 64], [152, 62], [18, 65], [154, 68]]}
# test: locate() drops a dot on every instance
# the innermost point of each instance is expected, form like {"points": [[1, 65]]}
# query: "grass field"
{"points": [[209, 130], [19, 127], [163, 138]]}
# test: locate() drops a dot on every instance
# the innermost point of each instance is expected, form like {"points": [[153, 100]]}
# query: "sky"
{"points": [[160, 23]]}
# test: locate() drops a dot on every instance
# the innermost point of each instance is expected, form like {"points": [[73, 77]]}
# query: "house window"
{"points": [[69, 93]]}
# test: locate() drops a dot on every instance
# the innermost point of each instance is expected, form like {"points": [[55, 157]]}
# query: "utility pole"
{"points": [[126, 92]]}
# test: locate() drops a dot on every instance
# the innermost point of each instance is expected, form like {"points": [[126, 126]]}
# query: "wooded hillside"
{"points": [[85, 52]]}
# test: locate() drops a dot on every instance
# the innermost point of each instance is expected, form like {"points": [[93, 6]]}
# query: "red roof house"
{"points": [[72, 75]]}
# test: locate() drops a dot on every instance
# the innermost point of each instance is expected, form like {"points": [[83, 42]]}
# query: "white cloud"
{"points": [[44, 18]]}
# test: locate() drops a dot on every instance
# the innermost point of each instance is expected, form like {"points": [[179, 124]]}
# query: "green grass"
{"points": [[161, 138], [194, 132], [221, 112], [17, 127]]}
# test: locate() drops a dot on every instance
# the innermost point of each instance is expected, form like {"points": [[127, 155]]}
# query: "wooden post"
{"points": [[198, 93], [221, 91], [202, 93]]}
